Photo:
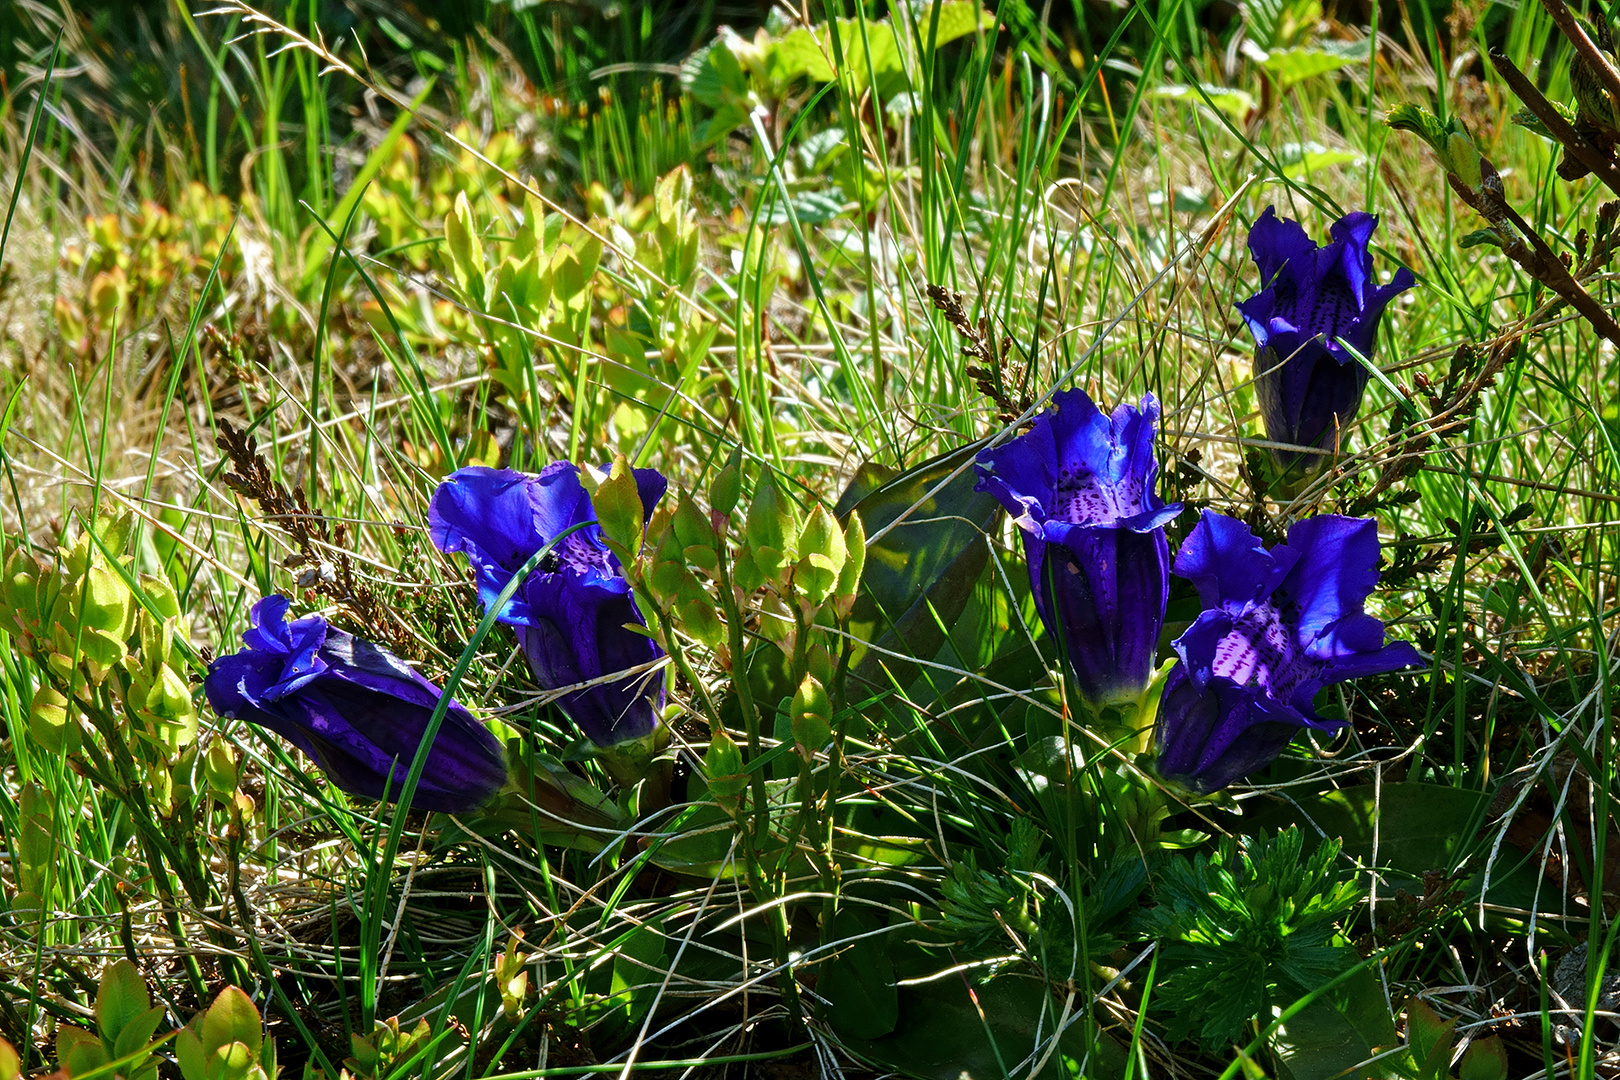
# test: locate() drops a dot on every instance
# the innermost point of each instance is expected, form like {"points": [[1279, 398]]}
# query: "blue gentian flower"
{"points": [[1080, 488], [571, 614], [357, 709], [1309, 387], [1277, 627]]}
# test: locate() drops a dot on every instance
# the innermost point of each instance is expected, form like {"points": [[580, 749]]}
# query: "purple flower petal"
{"points": [[1277, 627], [1310, 298], [572, 612], [1081, 488], [1213, 736], [359, 711]]}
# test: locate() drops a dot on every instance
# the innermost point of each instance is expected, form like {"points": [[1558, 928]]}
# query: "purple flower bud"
{"points": [[1309, 387], [357, 709], [571, 613], [1080, 487], [1277, 627]]}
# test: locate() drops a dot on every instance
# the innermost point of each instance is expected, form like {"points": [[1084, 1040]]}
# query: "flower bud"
{"points": [[221, 769], [812, 717], [727, 487], [822, 556], [772, 529], [723, 764]]}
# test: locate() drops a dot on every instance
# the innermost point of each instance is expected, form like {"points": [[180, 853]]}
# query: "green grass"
{"points": [[1095, 217]]}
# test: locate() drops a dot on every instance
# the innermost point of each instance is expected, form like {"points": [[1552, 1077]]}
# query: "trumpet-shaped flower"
{"points": [[574, 613], [1312, 297], [1277, 626], [1080, 487], [357, 709]]}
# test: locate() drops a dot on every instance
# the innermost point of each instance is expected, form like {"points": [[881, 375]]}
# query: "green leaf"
{"points": [[1416, 827], [772, 528], [1485, 1059], [78, 1051], [946, 1031], [1333, 1039], [138, 1032], [1292, 66], [1429, 1039], [858, 983], [465, 248], [188, 1052], [925, 554], [232, 1018], [619, 511]]}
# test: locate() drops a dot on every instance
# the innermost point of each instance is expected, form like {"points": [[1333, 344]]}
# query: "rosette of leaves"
{"points": [[1250, 926]]}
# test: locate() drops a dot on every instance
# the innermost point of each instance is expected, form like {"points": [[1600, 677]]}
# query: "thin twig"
{"points": [[1601, 166]]}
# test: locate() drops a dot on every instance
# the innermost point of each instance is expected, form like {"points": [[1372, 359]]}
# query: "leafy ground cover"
{"points": [[273, 278]]}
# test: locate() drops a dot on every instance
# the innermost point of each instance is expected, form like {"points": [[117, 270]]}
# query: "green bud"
{"points": [[220, 767], [772, 529], [727, 486], [849, 577], [1449, 139], [1462, 158], [822, 556], [723, 764], [161, 699], [812, 717], [49, 724]]}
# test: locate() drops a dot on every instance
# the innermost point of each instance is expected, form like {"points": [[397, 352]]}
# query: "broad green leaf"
{"points": [[1292, 66], [232, 1018], [1335, 1037], [1485, 1059], [1416, 827], [138, 1032], [78, 1051], [925, 552], [858, 983], [120, 999]]}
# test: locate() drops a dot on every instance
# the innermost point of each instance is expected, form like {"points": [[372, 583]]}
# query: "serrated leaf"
{"points": [[619, 510]]}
